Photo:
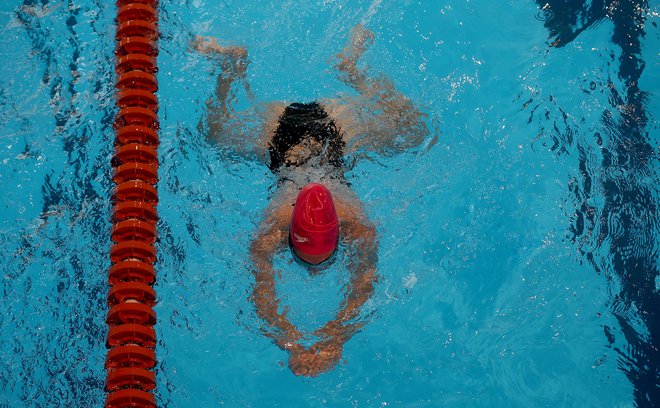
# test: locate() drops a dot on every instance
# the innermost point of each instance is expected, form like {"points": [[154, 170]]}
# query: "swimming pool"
{"points": [[518, 251]]}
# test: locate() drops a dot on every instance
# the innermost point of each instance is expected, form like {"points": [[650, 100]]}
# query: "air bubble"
{"points": [[545, 13]]}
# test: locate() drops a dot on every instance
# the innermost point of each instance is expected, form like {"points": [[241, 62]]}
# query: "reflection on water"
{"points": [[618, 216], [55, 117]]}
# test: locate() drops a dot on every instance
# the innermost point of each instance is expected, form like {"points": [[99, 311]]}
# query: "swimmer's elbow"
{"points": [[257, 250], [365, 238], [366, 233]]}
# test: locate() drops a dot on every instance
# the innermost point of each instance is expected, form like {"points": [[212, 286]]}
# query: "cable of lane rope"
{"points": [[131, 341]]}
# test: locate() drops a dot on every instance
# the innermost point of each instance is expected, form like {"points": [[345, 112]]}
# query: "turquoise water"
{"points": [[518, 246]]}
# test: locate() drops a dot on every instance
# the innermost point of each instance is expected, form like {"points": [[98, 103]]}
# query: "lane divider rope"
{"points": [[131, 341]]}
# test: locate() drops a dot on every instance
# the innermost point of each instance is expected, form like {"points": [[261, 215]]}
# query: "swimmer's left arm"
{"points": [[326, 353], [363, 244]]}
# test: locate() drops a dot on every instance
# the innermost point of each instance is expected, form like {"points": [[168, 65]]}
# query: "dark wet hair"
{"points": [[299, 122]]}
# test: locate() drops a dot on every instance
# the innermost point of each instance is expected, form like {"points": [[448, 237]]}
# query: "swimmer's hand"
{"points": [[319, 358]]}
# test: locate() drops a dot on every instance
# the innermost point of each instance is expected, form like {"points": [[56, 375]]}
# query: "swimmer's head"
{"points": [[314, 228]]}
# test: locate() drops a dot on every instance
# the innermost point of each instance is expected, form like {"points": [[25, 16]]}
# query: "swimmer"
{"points": [[313, 209]]}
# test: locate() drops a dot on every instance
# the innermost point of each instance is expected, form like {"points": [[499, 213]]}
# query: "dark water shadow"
{"points": [[627, 223]]}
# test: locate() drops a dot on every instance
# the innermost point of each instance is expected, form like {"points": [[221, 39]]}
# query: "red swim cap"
{"points": [[314, 226]]}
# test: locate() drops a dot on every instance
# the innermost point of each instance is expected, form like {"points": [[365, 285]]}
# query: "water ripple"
{"points": [[545, 13]]}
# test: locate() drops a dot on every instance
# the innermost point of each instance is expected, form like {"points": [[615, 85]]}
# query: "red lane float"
{"points": [[134, 230], [152, 3], [131, 338], [131, 313], [137, 134], [136, 171], [131, 356], [136, 152], [131, 334], [135, 61], [131, 271], [137, 44], [127, 291], [136, 190], [137, 97], [136, 11], [131, 377], [131, 28], [137, 250], [141, 210]]}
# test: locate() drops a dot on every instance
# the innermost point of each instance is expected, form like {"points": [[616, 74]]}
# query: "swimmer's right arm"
{"points": [[262, 250]]}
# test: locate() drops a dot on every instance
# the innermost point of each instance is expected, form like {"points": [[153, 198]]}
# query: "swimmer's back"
{"points": [[306, 136]]}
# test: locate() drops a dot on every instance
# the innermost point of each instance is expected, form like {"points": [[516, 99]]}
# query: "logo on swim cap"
{"points": [[314, 226]]}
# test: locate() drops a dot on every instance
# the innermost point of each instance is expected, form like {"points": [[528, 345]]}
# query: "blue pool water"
{"points": [[518, 256]]}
